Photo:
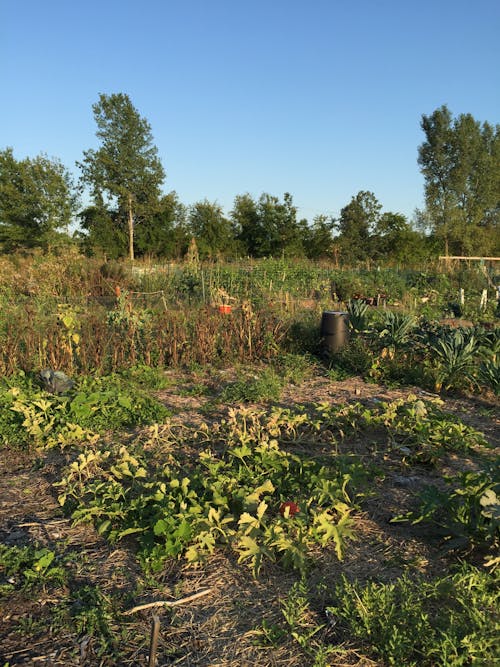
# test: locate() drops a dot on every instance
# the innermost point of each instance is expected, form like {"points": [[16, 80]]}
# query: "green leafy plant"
{"points": [[30, 567], [454, 354], [489, 374], [33, 416], [426, 431], [447, 622], [395, 332], [467, 514], [229, 495], [263, 386], [355, 358], [358, 315]]}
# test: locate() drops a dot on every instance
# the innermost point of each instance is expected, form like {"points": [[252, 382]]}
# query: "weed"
{"points": [[355, 358], [264, 386], [30, 567], [449, 622], [467, 514], [294, 368]]}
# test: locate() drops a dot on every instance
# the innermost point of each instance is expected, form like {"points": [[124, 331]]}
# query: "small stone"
{"points": [[400, 480]]}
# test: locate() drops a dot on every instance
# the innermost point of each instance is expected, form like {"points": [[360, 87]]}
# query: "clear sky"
{"points": [[319, 98]]}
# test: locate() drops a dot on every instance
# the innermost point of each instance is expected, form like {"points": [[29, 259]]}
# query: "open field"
{"points": [[226, 480]]}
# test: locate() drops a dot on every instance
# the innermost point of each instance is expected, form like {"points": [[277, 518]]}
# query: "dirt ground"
{"points": [[217, 628]]}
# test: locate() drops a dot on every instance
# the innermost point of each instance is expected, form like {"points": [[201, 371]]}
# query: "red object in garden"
{"points": [[293, 508], [224, 309]]}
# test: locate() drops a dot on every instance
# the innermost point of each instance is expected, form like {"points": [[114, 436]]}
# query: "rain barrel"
{"points": [[334, 330]]}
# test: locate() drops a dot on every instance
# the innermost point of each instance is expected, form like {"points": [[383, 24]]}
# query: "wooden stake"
{"points": [[153, 646]]}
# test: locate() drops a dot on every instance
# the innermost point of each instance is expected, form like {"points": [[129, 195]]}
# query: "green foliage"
{"points": [[294, 368], [460, 161], [92, 613], [36, 200], [229, 494], [125, 168], [233, 489], [355, 224], [355, 358], [489, 374], [264, 386], [206, 222], [146, 377], [467, 513], [454, 354], [395, 331], [267, 227], [358, 315], [450, 621], [31, 416], [426, 432], [109, 402], [29, 567]]}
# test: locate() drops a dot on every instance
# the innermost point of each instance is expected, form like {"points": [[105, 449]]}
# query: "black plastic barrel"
{"points": [[334, 330]]}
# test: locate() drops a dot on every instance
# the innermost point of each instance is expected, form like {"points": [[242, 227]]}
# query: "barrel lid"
{"points": [[334, 312]]}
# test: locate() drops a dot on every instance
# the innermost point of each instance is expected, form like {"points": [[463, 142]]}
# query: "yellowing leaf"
{"points": [[254, 497]]}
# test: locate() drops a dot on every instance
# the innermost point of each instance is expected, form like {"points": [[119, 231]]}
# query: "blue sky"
{"points": [[321, 98]]}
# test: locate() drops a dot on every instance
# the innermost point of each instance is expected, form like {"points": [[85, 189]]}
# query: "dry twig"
{"points": [[167, 603]]}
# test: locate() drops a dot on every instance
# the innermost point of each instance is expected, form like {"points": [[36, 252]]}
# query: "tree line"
{"points": [[129, 215]]}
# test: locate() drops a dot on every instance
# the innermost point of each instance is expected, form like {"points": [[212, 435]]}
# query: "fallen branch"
{"points": [[167, 603]]}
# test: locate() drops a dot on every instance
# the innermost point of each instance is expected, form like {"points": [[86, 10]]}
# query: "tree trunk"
{"points": [[130, 229]]}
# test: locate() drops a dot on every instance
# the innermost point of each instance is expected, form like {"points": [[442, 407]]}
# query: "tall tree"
{"points": [[37, 199], [247, 226], [103, 232], [281, 231], [211, 229], [460, 162], [394, 239], [268, 226], [165, 234], [125, 169], [356, 224], [318, 238]]}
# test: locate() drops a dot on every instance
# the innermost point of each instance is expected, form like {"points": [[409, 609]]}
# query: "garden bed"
{"points": [[63, 603]]}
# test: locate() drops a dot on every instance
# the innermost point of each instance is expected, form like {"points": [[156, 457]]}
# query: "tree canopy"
{"points": [[460, 162], [125, 170], [37, 199], [459, 159]]}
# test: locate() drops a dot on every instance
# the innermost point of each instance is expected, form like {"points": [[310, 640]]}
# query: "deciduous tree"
{"points": [[37, 199], [460, 162], [211, 229], [125, 169], [356, 223]]}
